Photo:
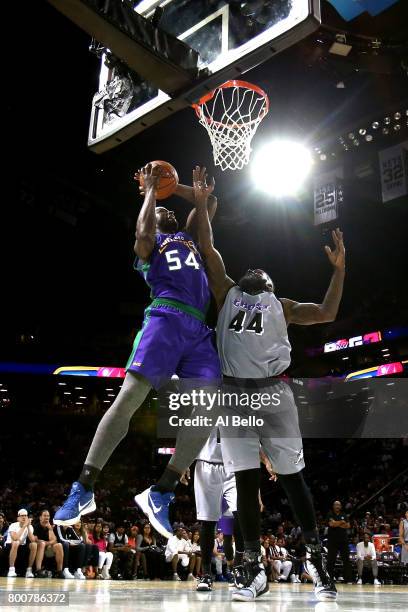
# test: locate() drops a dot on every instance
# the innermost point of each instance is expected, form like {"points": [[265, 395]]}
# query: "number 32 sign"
{"points": [[393, 168]]}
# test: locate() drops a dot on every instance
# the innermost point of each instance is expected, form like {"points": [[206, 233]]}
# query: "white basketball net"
{"points": [[231, 118]]}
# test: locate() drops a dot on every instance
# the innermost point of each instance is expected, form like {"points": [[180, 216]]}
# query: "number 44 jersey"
{"points": [[252, 335], [175, 271]]}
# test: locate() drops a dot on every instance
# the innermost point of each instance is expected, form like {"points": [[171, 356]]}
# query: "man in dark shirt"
{"points": [[338, 541], [47, 544]]}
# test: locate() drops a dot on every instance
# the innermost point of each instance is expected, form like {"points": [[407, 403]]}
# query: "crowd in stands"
{"points": [[116, 541], [95, 549]]}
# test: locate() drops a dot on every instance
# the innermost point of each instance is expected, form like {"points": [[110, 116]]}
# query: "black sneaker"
{"points": [[239, 578], [253, 579], [42, 573], [324, 586], [205, 583]]}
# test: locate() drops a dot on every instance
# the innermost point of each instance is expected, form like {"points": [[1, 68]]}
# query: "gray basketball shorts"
{"points": [[212, 484], [252, 420]]}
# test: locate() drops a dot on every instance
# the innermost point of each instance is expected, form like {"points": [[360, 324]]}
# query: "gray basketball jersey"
{"points": [[211, 450], [252, 335]]}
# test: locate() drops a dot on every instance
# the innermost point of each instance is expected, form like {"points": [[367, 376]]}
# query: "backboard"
{"points": [[231, 37]]}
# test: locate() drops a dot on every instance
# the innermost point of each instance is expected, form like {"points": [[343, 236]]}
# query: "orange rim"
{"points": [[233, 83]]}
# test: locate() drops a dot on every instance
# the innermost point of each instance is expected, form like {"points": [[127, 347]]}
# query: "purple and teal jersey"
{"points": [[174, 338], [175, 271]]}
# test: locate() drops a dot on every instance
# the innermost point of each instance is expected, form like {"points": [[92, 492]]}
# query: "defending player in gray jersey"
{"points": [[253, 344]]}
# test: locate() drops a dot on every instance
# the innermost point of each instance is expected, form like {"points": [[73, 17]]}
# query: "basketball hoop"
{"points": [[231, 114]]}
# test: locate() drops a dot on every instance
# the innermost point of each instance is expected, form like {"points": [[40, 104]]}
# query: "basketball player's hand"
{"points": [[269, 468], [185, 477], [337, 257], [137, 179], [202, 189], [150, 179]]}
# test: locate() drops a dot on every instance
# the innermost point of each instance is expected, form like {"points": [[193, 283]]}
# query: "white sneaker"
{"points": [[294, 579], [29, 573], [360, 581], [176, 577], [377, 582], [105, 573], [67, 574], [12, 573], [190, 577], [79, 575]]}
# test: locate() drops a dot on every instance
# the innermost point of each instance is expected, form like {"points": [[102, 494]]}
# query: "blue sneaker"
{"points": [[156, 507], [79, 502]]}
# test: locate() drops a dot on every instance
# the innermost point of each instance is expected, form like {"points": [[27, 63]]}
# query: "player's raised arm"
{"points": [[220, 283], [146, 221], [187, 193], [308, 314]]}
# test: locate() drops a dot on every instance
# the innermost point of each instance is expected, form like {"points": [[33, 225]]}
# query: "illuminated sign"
{"points": [[344, 343], [101, 371], [386, 369]]}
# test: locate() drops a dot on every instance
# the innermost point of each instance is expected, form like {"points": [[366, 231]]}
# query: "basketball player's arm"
{"points": [[146, 221], [309, 313], [187, 193], [218, 280]]}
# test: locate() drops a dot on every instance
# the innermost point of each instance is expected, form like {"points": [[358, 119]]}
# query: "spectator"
{"points": [[403, 538], [91, 550], [299, 567], [16, 544], [267, 559], [281, 566], [2, 539], [195, 562], [47, 545], [74, 550], [122, 555], [137, 556], [177, 552], [150, 552], [3, 525], [219, 557], [105, 558], [286, 564], [366, 556], [338, 541]]}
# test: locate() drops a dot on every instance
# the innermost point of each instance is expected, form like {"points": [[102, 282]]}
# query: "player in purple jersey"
{"points": [[174, 339]]}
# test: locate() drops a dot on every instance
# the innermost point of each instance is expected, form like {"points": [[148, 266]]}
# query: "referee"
{"points": [[338, 541]]}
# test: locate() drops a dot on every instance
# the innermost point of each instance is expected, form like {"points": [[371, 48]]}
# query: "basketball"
{"points": [[168, 179]]}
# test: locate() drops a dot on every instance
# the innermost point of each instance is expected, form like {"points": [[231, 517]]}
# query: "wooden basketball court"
{"points": [[121, 596]]}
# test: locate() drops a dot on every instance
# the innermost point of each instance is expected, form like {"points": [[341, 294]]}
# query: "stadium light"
{"points": [[281, 167]]}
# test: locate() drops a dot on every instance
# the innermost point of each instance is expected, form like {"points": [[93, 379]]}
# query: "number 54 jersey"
{"points": [[175, 271], [252, 335], [174, 338]]}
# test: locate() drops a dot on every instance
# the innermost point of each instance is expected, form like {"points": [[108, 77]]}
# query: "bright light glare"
{"points": [[280, 167]]}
